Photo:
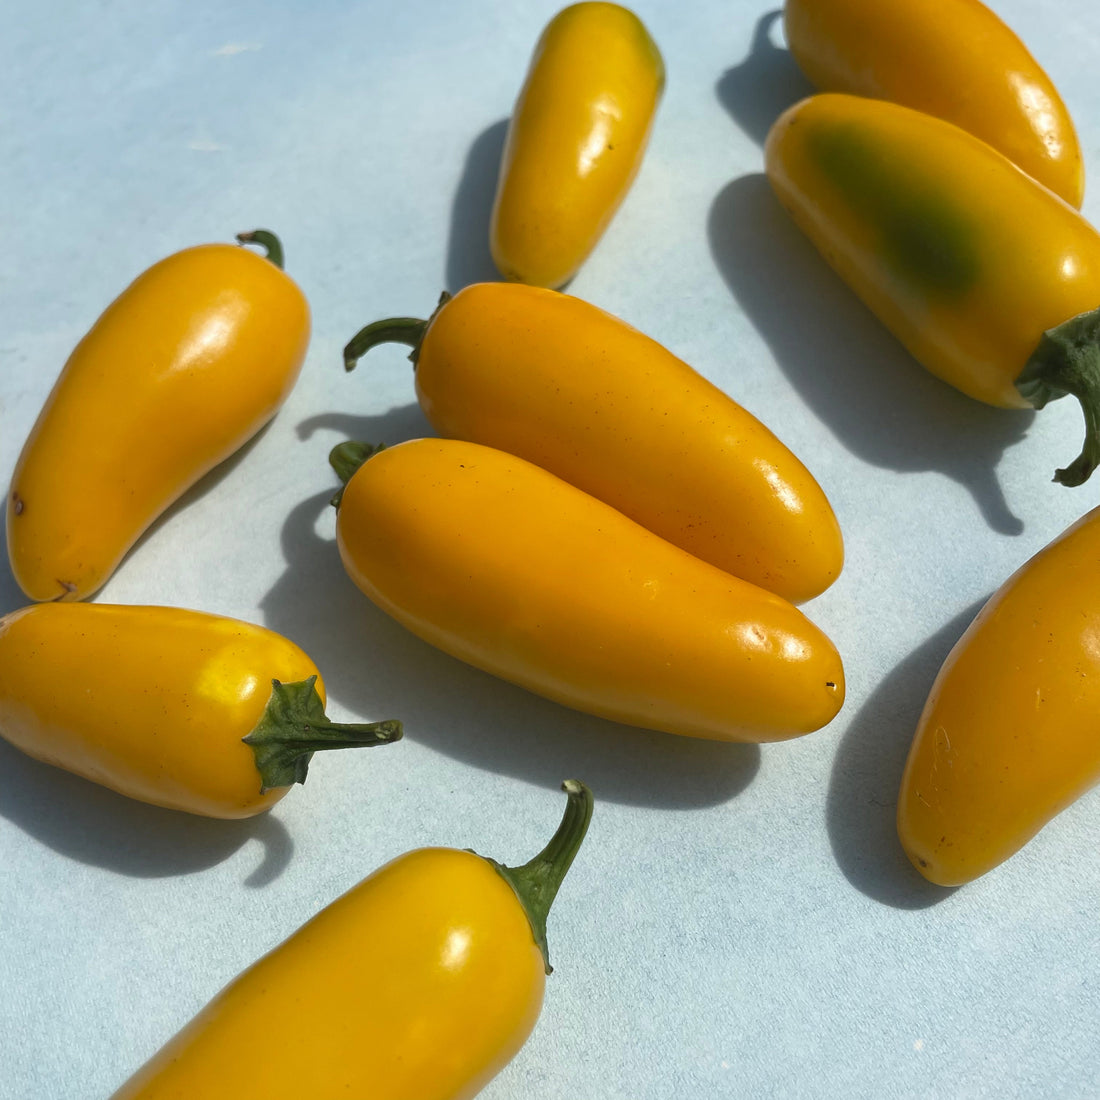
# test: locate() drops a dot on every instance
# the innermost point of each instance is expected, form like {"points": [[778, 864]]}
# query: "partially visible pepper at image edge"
{"points": [[990, 280], [420, 983]]}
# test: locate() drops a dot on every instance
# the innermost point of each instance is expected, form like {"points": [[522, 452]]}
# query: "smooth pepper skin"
{"points": [[575, 142], [556, 381], [505, 566], [954, 59], [1007, 738], [150, 701], [965, 258], [420, 983], [185, 366]]}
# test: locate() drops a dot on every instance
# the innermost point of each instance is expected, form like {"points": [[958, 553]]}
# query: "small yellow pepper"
{"points": [[177, 708], [421, 983], [989, 279], [954, 59], [576, 140], [556, 381], [501, 564], [181, 370], [1007, 739]]}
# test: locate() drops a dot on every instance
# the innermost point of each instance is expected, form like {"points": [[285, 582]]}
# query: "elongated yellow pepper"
{"points": [[575, 143], [421, 983], [988, 278]]}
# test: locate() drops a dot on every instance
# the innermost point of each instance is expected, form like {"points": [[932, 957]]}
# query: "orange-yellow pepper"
{"points": [[1007, 739], [954, 59], [182, 369], [556, 381], [421, 983], [989, 279], [501, 564], [175, 708], [575, 142]]}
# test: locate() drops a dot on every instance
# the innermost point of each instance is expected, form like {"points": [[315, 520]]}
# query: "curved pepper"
{"points": [[575, 142], [177, 708], [989, 279], [954, 59], [501, 564], [556, 381], [181, 370], [1007, 739], [421, 983]]}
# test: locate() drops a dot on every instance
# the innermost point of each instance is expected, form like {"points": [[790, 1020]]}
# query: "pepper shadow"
{"points": [[91, 824], [375, 668], [758, 90], [875, 397], [11, 595], [870, 759], [469, 259]]}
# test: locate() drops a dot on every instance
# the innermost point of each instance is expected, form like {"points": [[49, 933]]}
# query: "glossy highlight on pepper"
{"points": [[1007, 738], [955, 59], [575, 142], [505, 566], [989, 280], [420, 983], [177, 708], [179, 372], [569, 387]]}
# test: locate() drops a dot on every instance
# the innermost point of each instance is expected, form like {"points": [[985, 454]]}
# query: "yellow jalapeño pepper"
{"points": [[988, 278], [1007, 739], [177, 708], [575, 143], [421, 983], [954, 59], [499, 563], [181, 370], [556, 381]]}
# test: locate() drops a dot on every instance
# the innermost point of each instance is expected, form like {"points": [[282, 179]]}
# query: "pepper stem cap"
{"points": [[272, 246], [294, 726], [536, 883], [1067, 361]]}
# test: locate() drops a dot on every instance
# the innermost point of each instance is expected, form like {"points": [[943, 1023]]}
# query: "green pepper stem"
{"points": [[1067, 361], [536, 883], [294, 726], [272, 246], [345, 458], [391, 330]]}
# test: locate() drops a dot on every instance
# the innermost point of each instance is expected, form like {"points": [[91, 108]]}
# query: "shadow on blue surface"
{"points": [[758, 90], [468, 257], [373, 666], [94, 825], [877, 400], [867, 771]]}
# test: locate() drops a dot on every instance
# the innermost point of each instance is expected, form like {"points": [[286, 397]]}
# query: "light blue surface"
{"points": [[741, 922]]}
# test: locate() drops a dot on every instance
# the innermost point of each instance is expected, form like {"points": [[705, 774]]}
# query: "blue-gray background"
{"points": [[741, 922]]}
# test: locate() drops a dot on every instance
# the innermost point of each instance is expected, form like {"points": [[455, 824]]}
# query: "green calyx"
{"points": [[391, 330], [345, 459], [294, 726], [272, 246], [1067, 361], [536, 883]]}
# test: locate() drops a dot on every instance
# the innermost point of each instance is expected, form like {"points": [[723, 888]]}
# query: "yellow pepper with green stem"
{"points": [[989, 279], [420, 983], [176, 708], [181, 370], [500, 564]]}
